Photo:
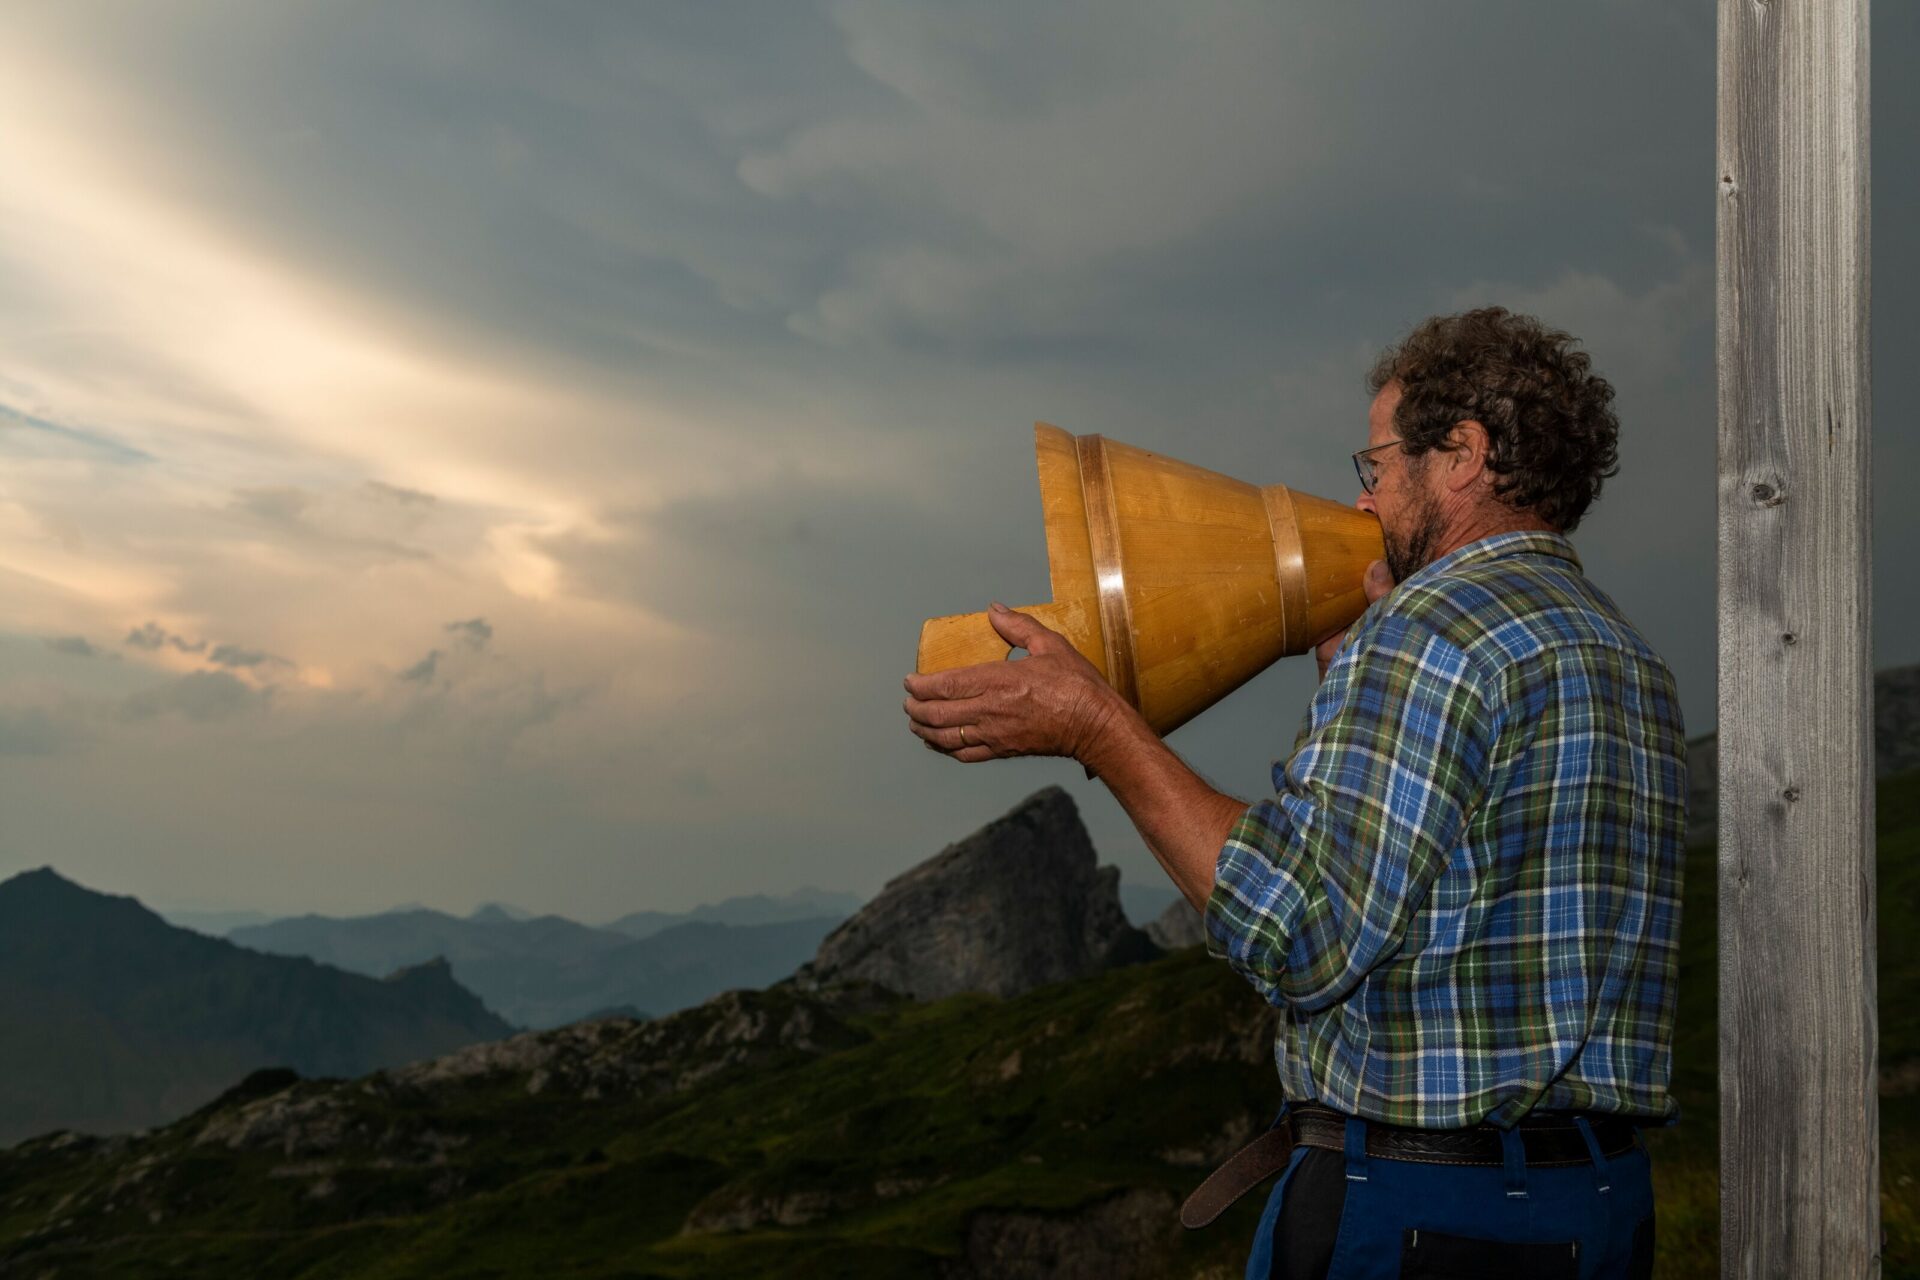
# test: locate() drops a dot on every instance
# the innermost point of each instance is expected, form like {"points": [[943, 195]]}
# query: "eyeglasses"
{"points": [[1367, 468]]}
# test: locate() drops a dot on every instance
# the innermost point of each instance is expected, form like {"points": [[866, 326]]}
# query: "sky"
{"points": [[456, 452]]}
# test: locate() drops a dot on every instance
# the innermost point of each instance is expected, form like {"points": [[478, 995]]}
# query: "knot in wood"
{"points": [[1790, 795], [1768, 495]]}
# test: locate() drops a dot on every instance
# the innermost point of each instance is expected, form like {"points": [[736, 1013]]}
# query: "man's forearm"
{"points": [[1183, 820]]}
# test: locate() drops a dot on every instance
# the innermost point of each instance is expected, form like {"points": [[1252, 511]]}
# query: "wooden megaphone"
{"points": [[1178, 583]]}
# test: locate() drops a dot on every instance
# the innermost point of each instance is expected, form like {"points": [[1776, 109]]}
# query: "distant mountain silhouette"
{"points": [[549, 971], [212, 922], [489, 913], [753, 908], [116, 1019], [382, 943]]}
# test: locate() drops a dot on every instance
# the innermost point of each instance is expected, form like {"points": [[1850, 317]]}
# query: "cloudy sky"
{"points": [[457, 452]]}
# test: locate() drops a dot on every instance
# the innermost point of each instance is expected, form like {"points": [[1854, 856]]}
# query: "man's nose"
{"points": [[1365, 503]]}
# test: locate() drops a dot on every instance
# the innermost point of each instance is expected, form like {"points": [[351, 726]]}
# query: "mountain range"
{"points": [[744, 909], [548, 971], [115, 1019], [807, 903], [900, 1005], [839, 1130]]}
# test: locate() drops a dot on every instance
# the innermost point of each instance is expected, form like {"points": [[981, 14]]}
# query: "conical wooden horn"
{"points": [[1178, 583]]}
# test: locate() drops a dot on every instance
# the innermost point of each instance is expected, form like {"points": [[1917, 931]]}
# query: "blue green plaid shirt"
{"points": [[1465, 894]]}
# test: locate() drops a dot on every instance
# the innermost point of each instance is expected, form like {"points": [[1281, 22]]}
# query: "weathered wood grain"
{"points": [[1800, 1165]]}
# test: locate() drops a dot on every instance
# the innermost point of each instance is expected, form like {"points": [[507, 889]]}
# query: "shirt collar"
{"points": [[1500, 546]]}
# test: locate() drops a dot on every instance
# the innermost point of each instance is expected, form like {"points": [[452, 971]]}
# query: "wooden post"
{"points": [[1799, 1143]]}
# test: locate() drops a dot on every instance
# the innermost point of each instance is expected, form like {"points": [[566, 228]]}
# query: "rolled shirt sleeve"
{"points": [[1316, 886]]}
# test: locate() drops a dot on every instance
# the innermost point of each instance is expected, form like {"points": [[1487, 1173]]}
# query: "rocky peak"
{"points": [[1020, 903], [1178, 926]]}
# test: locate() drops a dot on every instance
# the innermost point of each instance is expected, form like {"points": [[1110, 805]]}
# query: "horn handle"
{"points": [[964, 639]]}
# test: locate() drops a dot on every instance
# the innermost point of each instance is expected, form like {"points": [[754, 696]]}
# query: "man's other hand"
{"points": [[1053, 702], [1377, 582]]}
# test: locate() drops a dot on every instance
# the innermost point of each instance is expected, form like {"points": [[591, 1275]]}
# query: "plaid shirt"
{"points": [[1465, 895]]}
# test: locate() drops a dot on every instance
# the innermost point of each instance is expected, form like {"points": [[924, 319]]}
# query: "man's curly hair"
{"points": [[1551, 431]]}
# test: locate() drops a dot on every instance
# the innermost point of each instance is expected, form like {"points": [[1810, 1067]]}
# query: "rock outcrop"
{"points": [[620, 1057], [1178, 926], [1020, 903], [392, 1113]]}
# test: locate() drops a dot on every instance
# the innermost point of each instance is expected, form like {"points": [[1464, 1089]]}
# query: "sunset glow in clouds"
{"points": [[197, 374], [452, 453]]}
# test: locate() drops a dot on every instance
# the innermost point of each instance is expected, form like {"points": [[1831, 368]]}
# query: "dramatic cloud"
{"points": [[232, 655], [422, 672], [695, 348], [474, 632], [198, 695], [151, 636]]}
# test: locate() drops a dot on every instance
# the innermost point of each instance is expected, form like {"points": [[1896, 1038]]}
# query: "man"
{"points": [[1464, 895]]}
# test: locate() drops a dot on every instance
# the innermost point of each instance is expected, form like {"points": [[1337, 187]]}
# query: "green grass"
{"points": [[1048, 1102]]}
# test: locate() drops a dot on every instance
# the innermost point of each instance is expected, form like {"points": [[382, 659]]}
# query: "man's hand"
{"points": [[1377, 582], [1053, 702]]}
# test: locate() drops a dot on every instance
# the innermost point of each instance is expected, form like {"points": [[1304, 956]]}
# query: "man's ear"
{"points": [[1468, 449]]}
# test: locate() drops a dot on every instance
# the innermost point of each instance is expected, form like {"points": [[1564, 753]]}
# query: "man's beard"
{"points": [[1406, 556]]}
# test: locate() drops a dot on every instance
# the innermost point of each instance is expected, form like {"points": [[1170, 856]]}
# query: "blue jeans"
{"points": [[1401, 1218]]}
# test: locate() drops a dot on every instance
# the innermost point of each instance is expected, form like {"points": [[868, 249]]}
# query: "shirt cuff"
{"points": [[1257, 900]]}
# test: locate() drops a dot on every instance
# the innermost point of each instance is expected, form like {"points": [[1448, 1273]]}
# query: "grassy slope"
{"points": [[1045, 1102], [1105, 1077]]}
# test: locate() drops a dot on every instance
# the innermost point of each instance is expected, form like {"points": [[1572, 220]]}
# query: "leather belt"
{"points": [[1549, 1140]]}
